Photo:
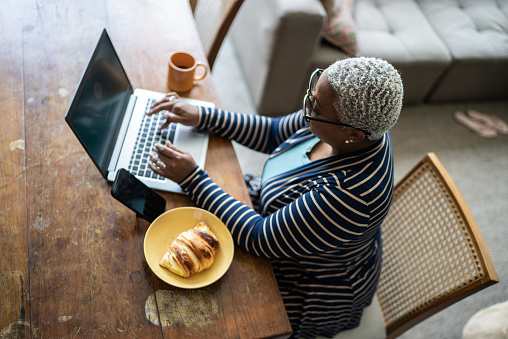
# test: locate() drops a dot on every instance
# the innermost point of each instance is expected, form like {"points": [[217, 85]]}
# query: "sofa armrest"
{"points": [[272, 39]]}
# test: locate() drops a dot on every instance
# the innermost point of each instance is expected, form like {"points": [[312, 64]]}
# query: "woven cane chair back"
{"points": [[213, 19], [433, 252]]}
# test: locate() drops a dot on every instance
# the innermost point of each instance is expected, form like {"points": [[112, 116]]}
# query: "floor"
{"points": [[234, 96]]}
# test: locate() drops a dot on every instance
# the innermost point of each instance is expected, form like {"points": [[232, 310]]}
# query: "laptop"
{"points": [[108, 117]]}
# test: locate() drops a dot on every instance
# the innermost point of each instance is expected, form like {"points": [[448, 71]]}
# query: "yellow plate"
{"points": [[168, 226]]}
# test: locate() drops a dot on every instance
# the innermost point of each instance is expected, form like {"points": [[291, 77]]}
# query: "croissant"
{"points": [[191, 252]]}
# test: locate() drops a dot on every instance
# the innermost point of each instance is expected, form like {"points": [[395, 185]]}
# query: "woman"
{"points": [[326, 189]]}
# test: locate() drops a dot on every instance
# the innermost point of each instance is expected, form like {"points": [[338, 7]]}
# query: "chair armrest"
{"points": [[274, 41]]}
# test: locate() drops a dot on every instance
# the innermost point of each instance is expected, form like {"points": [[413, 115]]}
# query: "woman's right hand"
{"points": [[175, 110]]}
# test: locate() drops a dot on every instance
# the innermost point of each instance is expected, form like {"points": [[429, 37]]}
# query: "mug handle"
{"points": [[199, 63]]}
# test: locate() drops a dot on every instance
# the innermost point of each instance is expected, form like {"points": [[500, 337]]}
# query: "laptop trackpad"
{"points": [[194, 141]]}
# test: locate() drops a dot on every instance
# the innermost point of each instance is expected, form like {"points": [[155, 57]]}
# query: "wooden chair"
{"points": [[433, 254], [213, 19]]}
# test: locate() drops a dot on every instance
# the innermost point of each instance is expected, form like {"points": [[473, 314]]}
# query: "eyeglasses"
{"points": [[307, 103]]}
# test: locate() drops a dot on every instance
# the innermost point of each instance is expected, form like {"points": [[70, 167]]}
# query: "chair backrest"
{"points": [[433, 252], [213, 19]]}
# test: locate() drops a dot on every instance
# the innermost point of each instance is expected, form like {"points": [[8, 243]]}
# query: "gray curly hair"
{"points": [[368, 93]]}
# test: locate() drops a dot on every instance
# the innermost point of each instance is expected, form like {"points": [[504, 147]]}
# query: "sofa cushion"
{"points": [[476, 33], [398, 32], [340, 28]]}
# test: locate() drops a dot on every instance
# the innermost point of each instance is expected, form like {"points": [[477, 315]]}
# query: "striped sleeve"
{"points": [[314, 222], [257, 132]]}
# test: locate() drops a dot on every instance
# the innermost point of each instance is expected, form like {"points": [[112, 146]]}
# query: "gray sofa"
{"points": [[446, 50]]}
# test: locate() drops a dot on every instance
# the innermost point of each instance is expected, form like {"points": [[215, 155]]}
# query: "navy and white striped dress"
{"points": [[319, 223]]}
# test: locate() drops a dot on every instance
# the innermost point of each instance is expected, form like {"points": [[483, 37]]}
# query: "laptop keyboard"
{"points": [[147, 138]]}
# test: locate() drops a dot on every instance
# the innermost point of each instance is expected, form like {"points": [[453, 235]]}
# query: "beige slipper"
{"points": [[490, 120], [477, 127]]}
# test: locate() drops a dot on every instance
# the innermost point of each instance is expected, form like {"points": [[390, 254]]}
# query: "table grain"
{"points": [[72, 257]]}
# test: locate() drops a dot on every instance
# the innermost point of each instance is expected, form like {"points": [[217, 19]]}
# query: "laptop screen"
{"points": [[99, 104]]}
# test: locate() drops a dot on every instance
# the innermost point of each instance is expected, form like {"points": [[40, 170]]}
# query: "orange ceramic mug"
{"points": [[181, 72]]}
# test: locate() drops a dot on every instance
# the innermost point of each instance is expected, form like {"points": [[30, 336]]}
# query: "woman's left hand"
{"points": [[171, 162]]}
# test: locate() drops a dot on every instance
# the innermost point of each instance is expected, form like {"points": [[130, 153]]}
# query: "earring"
{"points": [[348, 141]]}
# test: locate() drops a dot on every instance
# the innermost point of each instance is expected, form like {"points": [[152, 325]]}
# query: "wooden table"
{"points": [[72, 257]]}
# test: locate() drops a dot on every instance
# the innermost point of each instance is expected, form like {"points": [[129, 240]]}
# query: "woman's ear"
{"points": [[355, 135]]}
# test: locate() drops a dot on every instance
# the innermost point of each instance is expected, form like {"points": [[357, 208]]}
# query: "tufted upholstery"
{"points": [[476, 34], [396, 31], [445, 49]]}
